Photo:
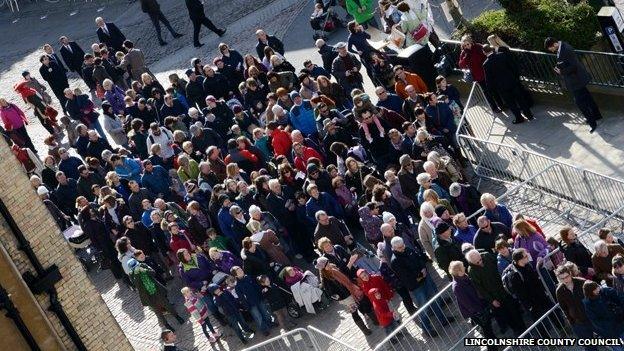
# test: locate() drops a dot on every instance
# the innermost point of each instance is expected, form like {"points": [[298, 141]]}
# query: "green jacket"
{"points": [[365, 15], [486, 279]]}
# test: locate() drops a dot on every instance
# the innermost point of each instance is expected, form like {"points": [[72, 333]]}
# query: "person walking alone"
{"points": [[198, 18], [152, 8], [575, 77]]}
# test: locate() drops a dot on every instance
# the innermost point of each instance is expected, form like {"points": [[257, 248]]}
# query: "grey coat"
{"points": [[136, 61], [574, 74], [115, 129]]}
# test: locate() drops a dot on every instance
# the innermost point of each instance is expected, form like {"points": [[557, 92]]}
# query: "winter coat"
{"points": [[324, 202], [487, 280], [302, 118], [227, 261], [159, 297], [274, 296], [376, 281], [468, 300], [249, 291], [371, 224], [196, 272], [12, 117], [500, 214], [157, 181], [535, 244], [115, 128], [577, 253], [336, 230], [256, 263], [472, 60], [196, 307], [448, 251], [180, 241], [571, 302], [353, 6], [601, 315], [408, 266], [270, 243]]}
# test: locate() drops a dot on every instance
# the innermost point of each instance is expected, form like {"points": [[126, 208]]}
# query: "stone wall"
{"points": [[81, 301]]}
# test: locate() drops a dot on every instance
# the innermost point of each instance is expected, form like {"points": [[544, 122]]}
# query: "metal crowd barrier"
{"points": [[326, 342], [410, 336], [552, 325], [296, 339], [536, 68]]}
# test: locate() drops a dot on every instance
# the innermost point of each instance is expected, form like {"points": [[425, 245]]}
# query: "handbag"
{"points": [[99, 91], [51, 113], [419, 33]]}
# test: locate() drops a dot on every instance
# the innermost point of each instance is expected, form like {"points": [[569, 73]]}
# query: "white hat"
{"points": [[42, 190], [340, 45], [387, 216]]}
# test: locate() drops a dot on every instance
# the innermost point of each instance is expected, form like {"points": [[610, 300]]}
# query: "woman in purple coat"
{"points": [[223, 260], [529, 239], [470, 304], [196, 271]]}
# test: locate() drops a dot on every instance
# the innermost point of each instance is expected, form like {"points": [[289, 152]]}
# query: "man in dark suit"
{"points": [[198, 17], [152, 8], [72, 54], [109, 34], [54, 74], [49, 50], [501, 75], [575, 78], [265, 40]]}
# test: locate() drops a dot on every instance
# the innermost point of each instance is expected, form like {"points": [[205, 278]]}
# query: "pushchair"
{"points": [[296, 309], [87, 254], [326, 22]]}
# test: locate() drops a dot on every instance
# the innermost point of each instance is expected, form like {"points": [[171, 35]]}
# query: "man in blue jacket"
{"points": [[127, 168], [250, 293], [302, 115], [156, 179]]}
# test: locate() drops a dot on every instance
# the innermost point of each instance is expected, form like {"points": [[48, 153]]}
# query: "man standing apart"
{"points": [[198, 17], [575, 78], [109, 34]]}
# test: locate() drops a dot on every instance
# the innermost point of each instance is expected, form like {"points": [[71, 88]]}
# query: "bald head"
{"points": [[474, 257], [387, 230]]}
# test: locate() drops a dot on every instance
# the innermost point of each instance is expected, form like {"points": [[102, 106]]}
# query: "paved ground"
{"points": [[556, 132]]}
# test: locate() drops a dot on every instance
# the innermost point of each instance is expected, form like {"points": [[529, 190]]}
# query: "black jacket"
{"points": [[141, 238], [273, 42], [577, 253], [469, 200], [54, 74], [73, 59], [195, 9], [113, 39], [195, 94], [274, 296], [448, 251], [500, 72], [328, 54], [207, 138], [527, 287], [150, 6], [217, 86], [408, 266]]}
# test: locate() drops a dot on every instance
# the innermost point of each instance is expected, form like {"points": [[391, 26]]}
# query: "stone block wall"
{"points": [[81, 301]]}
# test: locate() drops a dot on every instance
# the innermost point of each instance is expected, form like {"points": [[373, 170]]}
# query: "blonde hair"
{"points": [[496, 41], [185, 290], [322, 241], [107, 83], [146, 78], [431, 194], [455, 267], [486, 197], [232, 169], [458, 218], [254, 226]]}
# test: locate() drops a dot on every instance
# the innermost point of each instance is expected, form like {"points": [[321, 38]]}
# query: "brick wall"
{"points": [[82, 302]]}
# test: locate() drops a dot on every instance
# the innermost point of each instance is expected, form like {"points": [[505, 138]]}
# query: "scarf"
{"points": [[202, 219], [186, 266], [334, 273]]}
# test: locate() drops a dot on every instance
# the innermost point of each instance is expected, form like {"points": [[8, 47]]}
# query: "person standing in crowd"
{"points": [[14, 122], [135, 61], [570, 296], [603, 307], [502, 76], [471, 305], [346, 69], [271, 41], [110, 35], [471, 59], [152, 9], [55, 75], [72, 54], [575, 78]]}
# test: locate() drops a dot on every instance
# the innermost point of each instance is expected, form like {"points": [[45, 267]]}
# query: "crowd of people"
{"points": [[258, 183]]}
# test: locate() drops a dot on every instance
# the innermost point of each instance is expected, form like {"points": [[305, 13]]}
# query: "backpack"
{"points": [[507, 279]]}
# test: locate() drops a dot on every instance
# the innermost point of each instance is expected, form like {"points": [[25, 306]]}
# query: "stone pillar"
{"points": [[82, 303]]}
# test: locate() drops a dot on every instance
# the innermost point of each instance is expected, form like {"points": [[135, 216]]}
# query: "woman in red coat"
{"points": [[472, 58], [30, 96], [281, 141]]}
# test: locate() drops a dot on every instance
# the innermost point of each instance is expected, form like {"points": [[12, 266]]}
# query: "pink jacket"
{"points": [[12, 117]]}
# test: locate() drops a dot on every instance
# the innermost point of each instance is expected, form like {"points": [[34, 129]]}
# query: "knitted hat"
{"points": [[237, 109], [132, 263], [25, 73], [222, 199], [42, 190], [312, 167], [211, 98], [340, 45], [190, 186], [439, 210], [321, 262], [293, 95], [455, 189], [441, 228], [189, 72], [387, 216], [360, 271], [212, 288]]}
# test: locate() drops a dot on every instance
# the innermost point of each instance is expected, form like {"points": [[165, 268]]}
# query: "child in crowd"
{"points": [[277, 300], [168, 339], [199, 311], [444, 88], [385, 315], [219, 241]]}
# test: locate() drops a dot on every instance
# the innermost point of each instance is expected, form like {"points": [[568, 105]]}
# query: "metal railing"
{"points": [[552, 325], [536, 68], [296, 339], [326, 342], [438, 310]]}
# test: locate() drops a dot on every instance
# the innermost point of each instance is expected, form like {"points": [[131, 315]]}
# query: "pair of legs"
{"points": [[262, 317], [237, 322], [166, 306], [20, 137], [422, 295], [197, 23], [585, 102], [509, 315], [160, 17], [516, 100], [283, 319], [39, 110]]}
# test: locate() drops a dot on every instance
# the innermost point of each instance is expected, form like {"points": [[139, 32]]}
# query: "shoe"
{"points": [[217, 334], [198, 45], [177, 35], [162, 43], [298, 256], [497, 110], [244, 341], [367, 332], [530, 117], [249, 336], [593, 129], [221, 32], [518, 121], [212, 339], [180, 319]]}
